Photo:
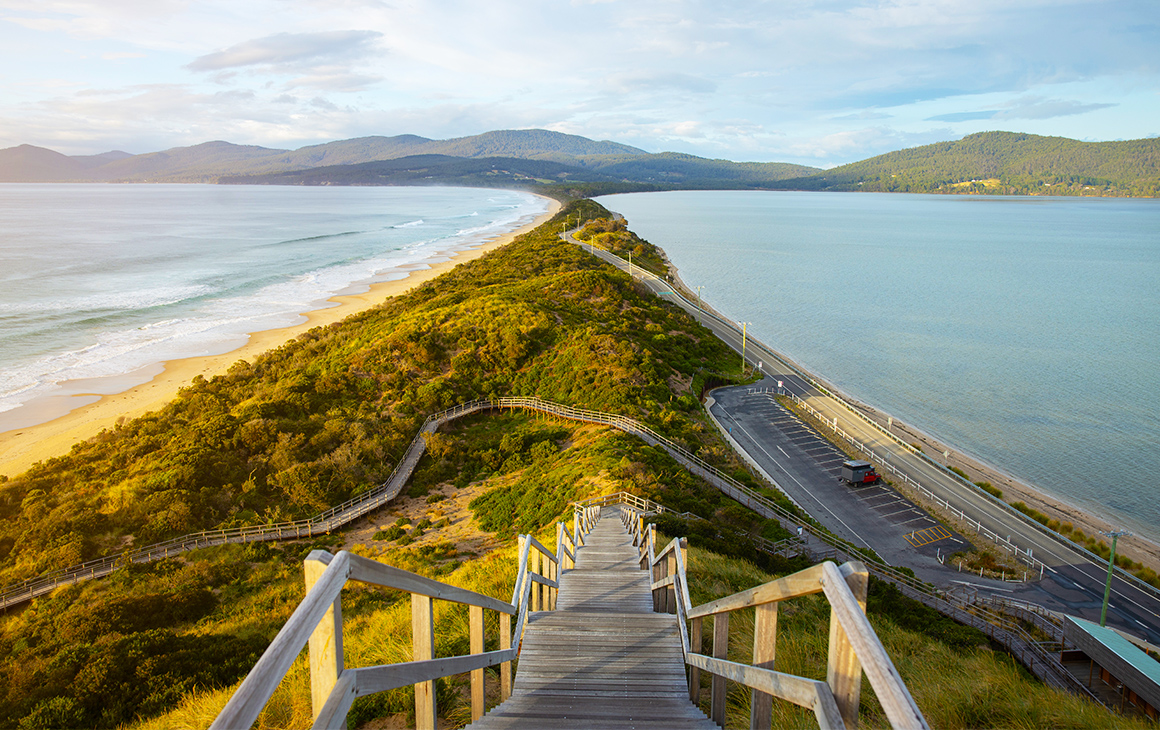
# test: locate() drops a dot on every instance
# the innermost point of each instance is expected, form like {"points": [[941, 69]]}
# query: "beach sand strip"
{"points": [[20, 448]]}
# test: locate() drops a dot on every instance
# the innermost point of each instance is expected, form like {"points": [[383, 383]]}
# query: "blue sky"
{"points": [[818, 82]]}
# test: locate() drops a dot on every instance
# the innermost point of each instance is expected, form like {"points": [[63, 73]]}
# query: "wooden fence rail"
{"points": [[815, 543], [317, 622], [854, 647]]}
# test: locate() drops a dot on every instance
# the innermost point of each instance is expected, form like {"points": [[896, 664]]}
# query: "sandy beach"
{"points": [[88, 413]]}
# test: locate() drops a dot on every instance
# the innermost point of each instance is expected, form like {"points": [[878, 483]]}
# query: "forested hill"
{"points": [[517, 156], [1003, 163]]}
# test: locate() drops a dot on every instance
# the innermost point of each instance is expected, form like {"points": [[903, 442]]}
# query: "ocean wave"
{"points": [[214, 321]]}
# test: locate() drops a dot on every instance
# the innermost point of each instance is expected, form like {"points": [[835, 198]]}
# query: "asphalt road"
{"points": [[807, 466], [1073, 582]]}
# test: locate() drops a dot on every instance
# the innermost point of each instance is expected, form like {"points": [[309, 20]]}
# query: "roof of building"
{"points": [[1122, 658]]}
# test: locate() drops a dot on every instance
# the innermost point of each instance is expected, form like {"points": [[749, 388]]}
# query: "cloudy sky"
{"points": [[819, 82]]}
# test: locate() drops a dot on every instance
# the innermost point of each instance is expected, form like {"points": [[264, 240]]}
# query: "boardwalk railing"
{"points": [[854, 647], [998, 619], [317, 622], [345, 513], [813, 543]]}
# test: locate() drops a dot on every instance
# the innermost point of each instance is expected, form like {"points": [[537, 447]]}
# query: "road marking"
{"points": [[887, 504], [924, 518], [902, 512], [918, 538], [782, 451], [980, 585], [791, 476]]}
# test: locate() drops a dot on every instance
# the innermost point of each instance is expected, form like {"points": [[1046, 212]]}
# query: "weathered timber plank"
{"points": [[602, 659]]}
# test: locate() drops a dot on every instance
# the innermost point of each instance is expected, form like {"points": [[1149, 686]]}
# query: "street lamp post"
{"points": [[744, 334], [699, 302], [1115, 535]]}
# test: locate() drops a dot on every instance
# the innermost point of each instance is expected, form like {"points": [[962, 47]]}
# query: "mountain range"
{"points": [[988, 162]]}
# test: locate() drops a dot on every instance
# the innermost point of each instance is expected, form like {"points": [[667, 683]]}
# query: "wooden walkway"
{"points": [[602, 659]]}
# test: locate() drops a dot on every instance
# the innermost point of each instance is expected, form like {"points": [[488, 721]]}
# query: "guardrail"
{"points": [[854, 648], [317, 622], [1026, 556], [963, 483], [745, 495], [351, 510], [982, 614]]}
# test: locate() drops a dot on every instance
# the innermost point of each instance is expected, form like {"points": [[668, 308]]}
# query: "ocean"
{"points": [[100, 284], [1022, 330]]}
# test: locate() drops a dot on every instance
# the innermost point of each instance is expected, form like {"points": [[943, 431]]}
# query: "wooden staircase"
{"points": [[603, 658], [604, 634]]}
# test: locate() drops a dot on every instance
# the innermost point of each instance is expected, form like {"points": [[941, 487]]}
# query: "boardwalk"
{"points": [[602, 659]]}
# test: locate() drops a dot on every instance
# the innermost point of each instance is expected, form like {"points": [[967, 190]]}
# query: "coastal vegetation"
{"points": [[612, 234], [1002, 163], [326, 417], [313, 423]]}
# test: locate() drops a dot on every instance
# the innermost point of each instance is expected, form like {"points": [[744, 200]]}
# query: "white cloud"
{"points": [[290, 50], [817, 81]]}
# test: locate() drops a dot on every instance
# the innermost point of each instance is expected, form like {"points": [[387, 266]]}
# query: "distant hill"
{"points": [[602, 174], [673, 168], [37, 164], [434, 170], [211, 160], [989, 162], [1003, 163]]}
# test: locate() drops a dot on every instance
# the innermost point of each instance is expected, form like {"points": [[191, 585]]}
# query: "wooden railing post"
{"points": [[764, 650], [534, 567], [326, 641], [475, 639], [553, 574], [695, 672], [423, 648], [505, 669], [720, 651], [844, 671], [671, 590]]}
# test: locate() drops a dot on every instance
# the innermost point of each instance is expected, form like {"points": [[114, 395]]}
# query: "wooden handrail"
{"points": [[854, 647], [318, 619]]}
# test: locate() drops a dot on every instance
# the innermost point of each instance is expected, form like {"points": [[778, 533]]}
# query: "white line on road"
{"points": [[782, 451], [981, 585], [791, 476], [916, 519], [901, 511]]}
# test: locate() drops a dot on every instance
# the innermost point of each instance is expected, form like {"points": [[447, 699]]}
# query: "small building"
{"points": [[1119, 673]]}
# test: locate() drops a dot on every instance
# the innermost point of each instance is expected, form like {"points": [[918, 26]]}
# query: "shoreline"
{"points": [[1015, 489], [90, 411]]}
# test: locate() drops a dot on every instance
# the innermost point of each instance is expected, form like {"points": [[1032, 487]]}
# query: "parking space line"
{"points": [[924, 518], [903, 511], [918, 538]]}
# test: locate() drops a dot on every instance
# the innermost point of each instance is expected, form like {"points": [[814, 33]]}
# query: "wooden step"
{"points": [[602, 659]]}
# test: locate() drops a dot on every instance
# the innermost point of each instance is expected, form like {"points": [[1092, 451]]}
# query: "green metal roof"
{"points": [[1121, 647]]}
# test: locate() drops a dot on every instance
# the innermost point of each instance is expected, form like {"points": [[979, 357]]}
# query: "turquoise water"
{"points": [[97, 281], [1025, 331]]}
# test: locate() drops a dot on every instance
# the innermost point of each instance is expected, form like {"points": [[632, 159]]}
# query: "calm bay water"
{"points": [[97, 281], [1025, 331]]}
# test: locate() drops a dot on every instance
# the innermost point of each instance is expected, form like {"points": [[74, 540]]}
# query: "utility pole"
{"points": [[1115, 535], [699, 303], [630, 264]]}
